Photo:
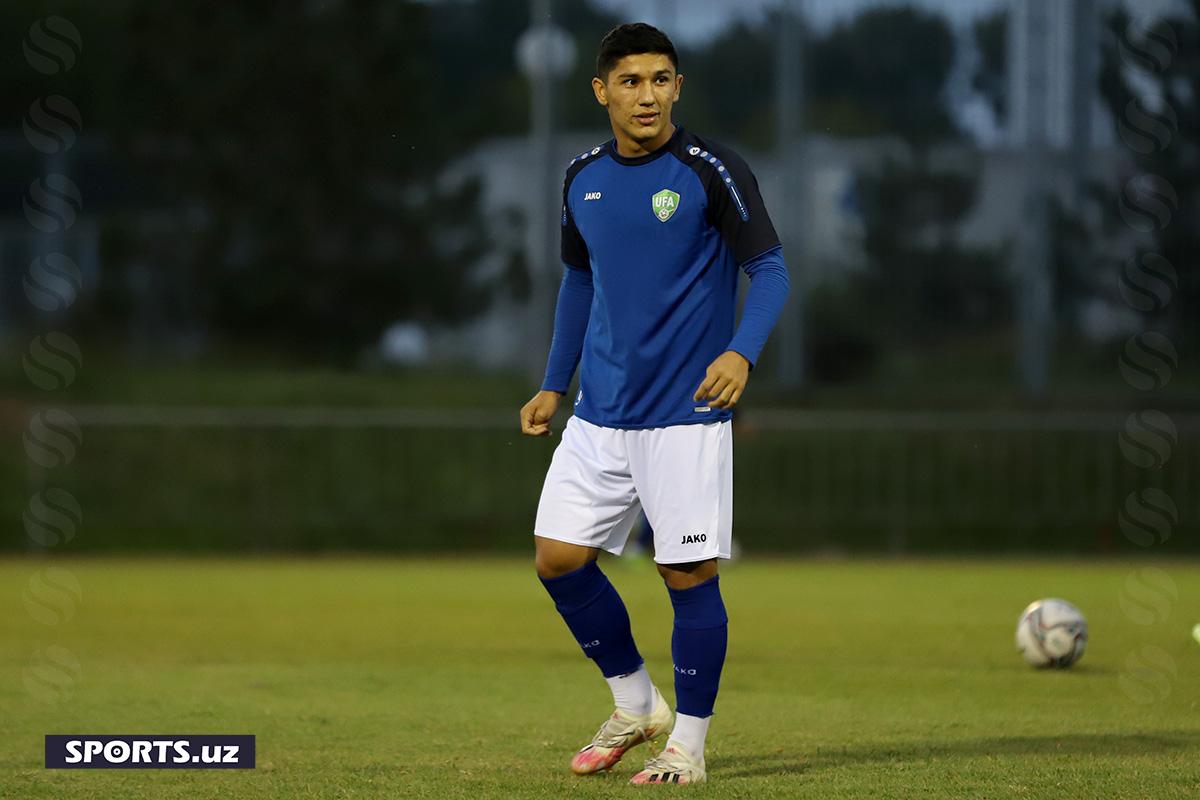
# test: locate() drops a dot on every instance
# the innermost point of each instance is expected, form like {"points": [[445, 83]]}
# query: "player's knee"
{"points": [[555, 559], [685, 576]]}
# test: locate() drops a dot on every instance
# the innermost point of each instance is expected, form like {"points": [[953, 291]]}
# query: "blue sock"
{"points": [[698, 646], [596, 616]]}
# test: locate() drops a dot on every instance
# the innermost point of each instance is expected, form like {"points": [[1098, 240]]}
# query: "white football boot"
{"points": [[672, 765], [620, 733]]}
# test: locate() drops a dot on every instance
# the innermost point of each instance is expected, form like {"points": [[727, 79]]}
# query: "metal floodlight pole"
{"points": [[539, 138], [795, 194], [1034, 301], [1084, 49], [545, 55]]}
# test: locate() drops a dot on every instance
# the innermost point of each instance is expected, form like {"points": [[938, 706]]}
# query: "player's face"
{"points": [[639, 93]]}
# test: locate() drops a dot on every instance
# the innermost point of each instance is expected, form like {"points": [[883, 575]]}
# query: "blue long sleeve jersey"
{"points": [[652, 247]]}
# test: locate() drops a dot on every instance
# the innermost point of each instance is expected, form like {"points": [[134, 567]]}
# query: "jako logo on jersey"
{"points": [[694, 538], [683, 671], [592, 196], [579, 397], [664, 204]]}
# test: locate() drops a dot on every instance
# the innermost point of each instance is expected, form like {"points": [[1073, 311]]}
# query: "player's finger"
{"points": [[737, 395], [723, 398], [718, 387], [705, 386]]}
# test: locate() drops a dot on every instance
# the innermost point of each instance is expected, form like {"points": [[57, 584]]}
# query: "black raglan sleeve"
{"points": [[735, 205], [574, 249]]}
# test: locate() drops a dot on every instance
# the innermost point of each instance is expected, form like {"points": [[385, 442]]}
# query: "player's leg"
{"points": [[698, 644], [594, 612], [588, 503], [685, 477], [553, 559]]}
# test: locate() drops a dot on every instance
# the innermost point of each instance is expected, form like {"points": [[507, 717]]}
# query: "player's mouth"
{"points": [[647, 119]]}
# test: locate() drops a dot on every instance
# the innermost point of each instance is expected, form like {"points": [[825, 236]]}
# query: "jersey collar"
{"points": [[646, 159]]}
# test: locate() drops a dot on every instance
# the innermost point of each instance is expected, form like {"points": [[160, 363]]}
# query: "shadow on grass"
{"points": [[1096, 744]]}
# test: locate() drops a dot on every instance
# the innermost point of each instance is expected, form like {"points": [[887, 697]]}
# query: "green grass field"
{"points": [[447, 678]]}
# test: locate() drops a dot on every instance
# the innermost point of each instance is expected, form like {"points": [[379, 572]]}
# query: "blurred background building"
{"points": [[289, 272]]}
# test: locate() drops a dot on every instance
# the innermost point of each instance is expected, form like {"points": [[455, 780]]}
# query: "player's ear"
{"points": [[678, 86], [600, 91]]}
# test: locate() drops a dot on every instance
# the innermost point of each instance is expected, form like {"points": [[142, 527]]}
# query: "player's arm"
{"points": [[570, 325], [571, 316], [727, 376], [737, 211]]}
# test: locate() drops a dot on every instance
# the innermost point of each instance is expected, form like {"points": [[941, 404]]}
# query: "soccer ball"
{"points": [[1052, 633]]}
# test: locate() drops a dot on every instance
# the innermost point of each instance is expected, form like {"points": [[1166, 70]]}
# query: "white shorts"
{"points": [[682, 475]]}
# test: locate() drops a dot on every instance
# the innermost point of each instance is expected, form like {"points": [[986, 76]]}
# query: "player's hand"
{"points": [[724, 381], [537, 413]]}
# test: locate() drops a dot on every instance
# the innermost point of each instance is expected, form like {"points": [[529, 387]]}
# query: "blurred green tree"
{"points": [[881, 73], [729, 86], [884, 73], [474, 44], [921, 285], [299, 151]]}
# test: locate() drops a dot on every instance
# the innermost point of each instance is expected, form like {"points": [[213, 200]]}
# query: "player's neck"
{"points": [[631, 148]]}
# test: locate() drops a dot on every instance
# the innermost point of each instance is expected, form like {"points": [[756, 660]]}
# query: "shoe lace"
{"points": [[668, 761], [614, 730]]}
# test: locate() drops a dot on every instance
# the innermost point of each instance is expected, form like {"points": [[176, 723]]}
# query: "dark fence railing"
{"points": [[172, 479]]}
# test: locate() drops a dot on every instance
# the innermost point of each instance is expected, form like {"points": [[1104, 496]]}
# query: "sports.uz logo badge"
{"points": [[664, 204]]}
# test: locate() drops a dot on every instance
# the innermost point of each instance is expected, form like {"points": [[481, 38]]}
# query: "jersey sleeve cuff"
{"points": [[743, 351]]}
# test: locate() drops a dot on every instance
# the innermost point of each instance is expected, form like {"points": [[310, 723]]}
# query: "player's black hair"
{"points": [[632, 38]]}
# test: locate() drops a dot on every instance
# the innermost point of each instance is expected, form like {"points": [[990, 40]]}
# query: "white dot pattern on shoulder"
{"points": [[728, 179]]}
